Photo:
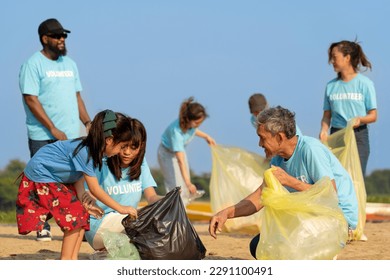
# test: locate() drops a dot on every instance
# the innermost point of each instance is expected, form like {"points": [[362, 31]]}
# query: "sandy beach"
{"points": [[228, 246]]}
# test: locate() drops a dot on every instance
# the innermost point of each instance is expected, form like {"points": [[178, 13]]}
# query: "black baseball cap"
{"points": [[51, 26]]}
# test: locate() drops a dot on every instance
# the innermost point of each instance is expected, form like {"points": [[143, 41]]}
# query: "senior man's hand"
{"points": [[217, 222]]}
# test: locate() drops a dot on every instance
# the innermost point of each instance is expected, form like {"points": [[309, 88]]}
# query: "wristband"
{"points": [[87, 122]]}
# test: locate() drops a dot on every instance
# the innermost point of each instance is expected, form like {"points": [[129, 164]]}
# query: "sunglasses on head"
{"points": [[57, 36]]}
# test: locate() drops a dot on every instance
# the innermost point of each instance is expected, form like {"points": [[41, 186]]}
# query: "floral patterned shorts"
{"points": [[37, 202]]}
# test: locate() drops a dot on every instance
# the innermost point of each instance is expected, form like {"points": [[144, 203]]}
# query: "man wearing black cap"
{"points": [[50, 84]]}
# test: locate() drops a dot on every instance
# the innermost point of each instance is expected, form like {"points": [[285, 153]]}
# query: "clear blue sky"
{"points": [[144, 58]]}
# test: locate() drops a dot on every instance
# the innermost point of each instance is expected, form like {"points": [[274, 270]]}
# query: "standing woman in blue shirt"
{"points": [[350, 95], [172, 156]]}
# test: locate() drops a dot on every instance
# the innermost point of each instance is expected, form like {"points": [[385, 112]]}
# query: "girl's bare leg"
{"points": [[76, 250], [69, 243]]}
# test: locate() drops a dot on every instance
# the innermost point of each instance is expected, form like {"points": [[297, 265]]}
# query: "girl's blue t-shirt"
{"points": [[125, 191], [55, 163], [174, 139]]}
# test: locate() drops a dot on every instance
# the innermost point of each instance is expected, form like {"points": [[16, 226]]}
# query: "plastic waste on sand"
{"points": [[119, 247]]}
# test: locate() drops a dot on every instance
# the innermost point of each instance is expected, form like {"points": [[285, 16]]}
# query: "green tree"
{"points": [[378, 182], [9, 184], [158, 177]]}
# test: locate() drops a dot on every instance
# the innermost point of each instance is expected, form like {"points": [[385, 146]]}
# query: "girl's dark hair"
{"points": [[137, 140], [190, 111], [105, 124], [354, 50]]}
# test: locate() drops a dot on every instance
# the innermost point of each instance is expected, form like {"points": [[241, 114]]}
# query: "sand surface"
{"points": [[227, 246]]}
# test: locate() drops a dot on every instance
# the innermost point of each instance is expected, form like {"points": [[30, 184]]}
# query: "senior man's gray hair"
{"points": [[278, 119]]}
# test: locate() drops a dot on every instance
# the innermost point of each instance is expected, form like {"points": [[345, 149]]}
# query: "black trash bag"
{"points": [[164, 232]]}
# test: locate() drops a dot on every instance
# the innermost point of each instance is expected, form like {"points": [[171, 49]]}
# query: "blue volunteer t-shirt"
{"points": [[174, 139], [347, 100], [124, 191], [55, 82], [253, 121], [310, 162], [55, 163]]}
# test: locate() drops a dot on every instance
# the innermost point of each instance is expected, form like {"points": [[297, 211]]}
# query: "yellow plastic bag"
{"points": [[236, 173], [305, 225], [344, 147]]}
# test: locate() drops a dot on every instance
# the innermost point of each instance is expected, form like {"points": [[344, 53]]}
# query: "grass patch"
{"points": [[8, 217], [378, 198]]}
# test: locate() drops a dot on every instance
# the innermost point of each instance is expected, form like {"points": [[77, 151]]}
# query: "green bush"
{"points": [[378, 183], [8, 217], [378, 198], [9, 184]]}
